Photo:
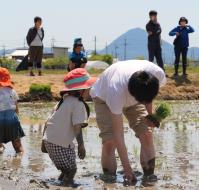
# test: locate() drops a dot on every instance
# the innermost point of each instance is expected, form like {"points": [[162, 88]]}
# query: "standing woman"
{"points": [[181, 43]]}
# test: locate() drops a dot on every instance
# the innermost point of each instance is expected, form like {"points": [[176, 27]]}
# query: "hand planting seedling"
{"points": [[161, 112]]}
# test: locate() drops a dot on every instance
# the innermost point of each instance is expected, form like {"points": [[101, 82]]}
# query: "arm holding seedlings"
{"points": [[80, 141], [161, 112], [149, 108]]}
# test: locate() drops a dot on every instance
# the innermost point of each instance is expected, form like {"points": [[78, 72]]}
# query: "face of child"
{"points": [[153, 18], [183, 23], [38, 24], [78, 49], [85, 94]]}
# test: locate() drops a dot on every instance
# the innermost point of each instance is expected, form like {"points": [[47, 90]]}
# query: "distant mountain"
{"points": [[136, 46]]}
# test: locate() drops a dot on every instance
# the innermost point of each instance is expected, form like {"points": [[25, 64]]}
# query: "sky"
{"points": [[65, 20]]}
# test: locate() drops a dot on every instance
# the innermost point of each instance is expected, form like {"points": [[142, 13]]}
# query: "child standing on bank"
{"points": [[10, 127], [78, 57], [66, 124]]}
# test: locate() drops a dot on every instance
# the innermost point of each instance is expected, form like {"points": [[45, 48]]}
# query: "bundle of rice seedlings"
{"points": [[162, 111]]}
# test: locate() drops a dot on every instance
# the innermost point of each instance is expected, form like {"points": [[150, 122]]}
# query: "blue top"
{"points": [[184, 34], [77, 55]]}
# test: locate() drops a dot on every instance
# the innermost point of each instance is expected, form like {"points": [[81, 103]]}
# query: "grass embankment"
{"points": [[180, 88]]}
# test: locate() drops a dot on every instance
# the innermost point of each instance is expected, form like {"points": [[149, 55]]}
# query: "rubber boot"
{"points": [[32, 74], [184, 67], [176, 70], [68, 177], [149, 171], [40, 73]]}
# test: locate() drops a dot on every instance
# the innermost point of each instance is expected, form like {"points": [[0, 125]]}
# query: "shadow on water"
{"points": [[177, 147]]}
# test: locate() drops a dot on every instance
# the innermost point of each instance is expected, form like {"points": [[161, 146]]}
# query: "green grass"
{"points": [[169, 70], [190, 69], [40, 89]]}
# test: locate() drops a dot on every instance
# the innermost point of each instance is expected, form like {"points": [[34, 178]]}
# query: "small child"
{"points": [[10, 127], [66, 124], [78, 57]]}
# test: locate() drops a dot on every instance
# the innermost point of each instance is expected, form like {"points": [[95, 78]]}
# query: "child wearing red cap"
{"points": [[66, 124], [10, 127]]}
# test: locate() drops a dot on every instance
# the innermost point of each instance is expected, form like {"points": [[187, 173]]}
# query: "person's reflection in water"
{"points": [[36, 158]]}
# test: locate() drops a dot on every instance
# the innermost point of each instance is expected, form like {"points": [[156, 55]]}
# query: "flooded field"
{"points": [[177, 147]]}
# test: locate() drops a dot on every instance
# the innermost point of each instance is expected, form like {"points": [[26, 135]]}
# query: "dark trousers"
{"points": [[155, 51], [35, 56], [178, 52]]}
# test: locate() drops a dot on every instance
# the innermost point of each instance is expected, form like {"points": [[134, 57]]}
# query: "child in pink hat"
{"points": [[66, 123]]}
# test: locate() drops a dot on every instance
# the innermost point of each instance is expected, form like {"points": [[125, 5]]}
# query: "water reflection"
{"points": [[177, 145]]}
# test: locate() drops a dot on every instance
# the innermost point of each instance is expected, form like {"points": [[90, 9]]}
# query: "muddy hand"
{"points": [[129, 178], [151, 122], [81, 151]]}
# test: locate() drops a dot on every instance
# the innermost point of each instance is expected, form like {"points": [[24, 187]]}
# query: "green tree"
{"points": [[56, 63], [106, 58]]}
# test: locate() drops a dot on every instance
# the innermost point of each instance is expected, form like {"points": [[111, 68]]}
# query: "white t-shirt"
{"points": [[112, 86], [37, 41], [8, 99], [60, 125]]}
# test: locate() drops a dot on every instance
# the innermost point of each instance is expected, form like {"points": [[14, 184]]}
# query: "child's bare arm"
{"points": [[17, 109], [80, 141]]}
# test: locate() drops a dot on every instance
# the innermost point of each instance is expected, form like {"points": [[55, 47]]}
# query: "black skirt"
{"points": [[10, 127]]}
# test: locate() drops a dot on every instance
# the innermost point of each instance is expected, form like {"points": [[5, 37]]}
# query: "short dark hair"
{"points": [[143, 86], [37, 18], [153, 13]]}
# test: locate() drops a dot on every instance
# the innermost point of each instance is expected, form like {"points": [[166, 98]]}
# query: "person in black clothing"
{"points": [[34, 39], [154, 39]]}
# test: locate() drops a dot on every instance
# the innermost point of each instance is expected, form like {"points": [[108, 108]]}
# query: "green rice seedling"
{"points": [[162, 111]]}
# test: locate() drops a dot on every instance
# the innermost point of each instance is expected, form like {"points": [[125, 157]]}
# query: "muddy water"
{"points": [[177, 145]]}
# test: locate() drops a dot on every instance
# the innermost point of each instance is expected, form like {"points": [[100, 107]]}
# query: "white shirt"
{"points": [[60, 125], [112, 86], [37, 41], [8, 99]]}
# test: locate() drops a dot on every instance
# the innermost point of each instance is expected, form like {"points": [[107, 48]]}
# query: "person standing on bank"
{"points": [[34, 39], [181, 44], [154, 31], [128, 88]]}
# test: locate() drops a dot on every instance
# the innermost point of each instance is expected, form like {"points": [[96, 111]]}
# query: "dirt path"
{"points": [[176, 89]]}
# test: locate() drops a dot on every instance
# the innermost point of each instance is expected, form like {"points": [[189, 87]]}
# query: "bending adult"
{"points": [[34, 39], [154, 31], [181, 43], [127, 88], [78, 57]]}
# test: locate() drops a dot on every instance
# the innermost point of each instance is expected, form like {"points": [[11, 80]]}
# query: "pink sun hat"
{"points": [[78, 79]]}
